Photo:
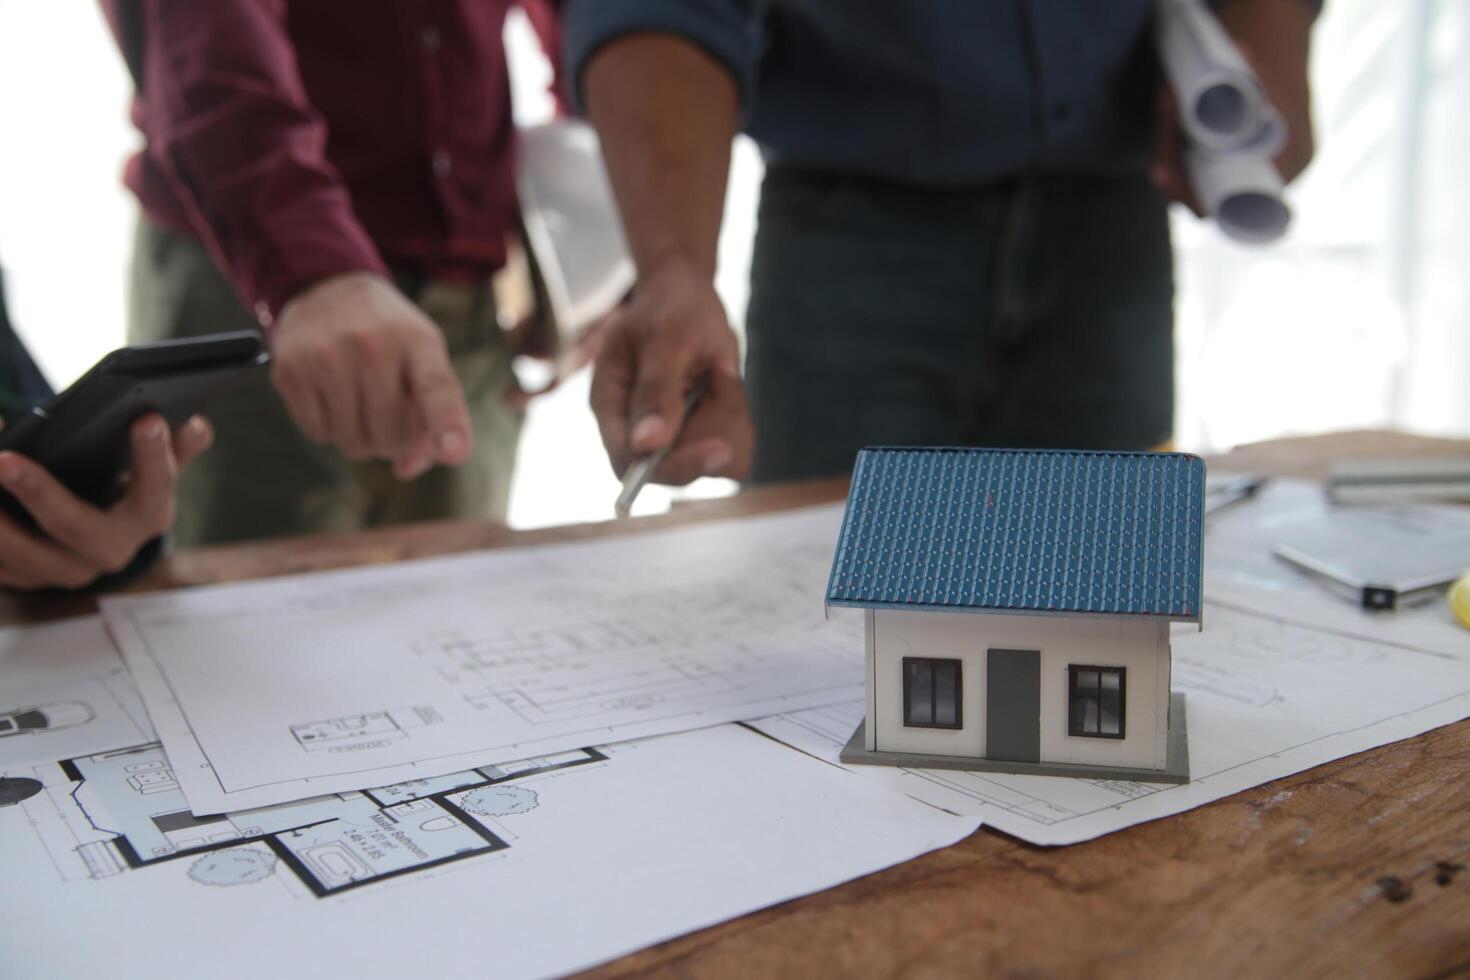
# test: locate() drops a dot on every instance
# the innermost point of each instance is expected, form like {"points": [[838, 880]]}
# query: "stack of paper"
{"points": [[429, 765], [534, 867], [369, 676]]}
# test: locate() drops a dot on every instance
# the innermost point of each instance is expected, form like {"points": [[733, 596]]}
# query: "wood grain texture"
{"points": [[1356, 868], [1312, 456]]}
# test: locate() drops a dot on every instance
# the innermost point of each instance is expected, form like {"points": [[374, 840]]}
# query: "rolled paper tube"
{"points": [[1244, 195], [1222, 105]]}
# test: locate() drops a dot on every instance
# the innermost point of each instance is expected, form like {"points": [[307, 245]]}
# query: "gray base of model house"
{"points": [[1177, 770]]}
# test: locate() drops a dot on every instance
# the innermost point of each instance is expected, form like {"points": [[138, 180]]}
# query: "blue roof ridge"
{"points": [[967, 450], [958, 553]]}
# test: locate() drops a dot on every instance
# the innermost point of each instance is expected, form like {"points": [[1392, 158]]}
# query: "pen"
{"points": [[1233, 491], [642, 470]]}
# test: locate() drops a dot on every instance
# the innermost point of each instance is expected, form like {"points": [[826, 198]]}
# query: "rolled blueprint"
{"points": [[1221, 102], [1232, 131], [1242, 192]]}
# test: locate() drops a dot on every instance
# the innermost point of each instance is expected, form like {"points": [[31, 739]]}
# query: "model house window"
{"points": [[1096, 701], [931, 693]]}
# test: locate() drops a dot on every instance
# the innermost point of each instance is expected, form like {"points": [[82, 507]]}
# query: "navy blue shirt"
{"points": [[937, 92], [22, 386]]}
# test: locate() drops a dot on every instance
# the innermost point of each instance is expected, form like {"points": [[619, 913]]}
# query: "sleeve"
{"points": [[22, 386], [230, 125], [730, 31]]}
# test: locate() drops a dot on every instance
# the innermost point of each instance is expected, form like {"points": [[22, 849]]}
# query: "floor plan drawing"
{"points": [[534, 868], [601, 661], [63, 691], [496, 656], [1268, 696], [110, 812], [356, 732]]}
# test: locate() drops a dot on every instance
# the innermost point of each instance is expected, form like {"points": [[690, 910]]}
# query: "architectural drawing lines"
{"points": [[123, 810]]}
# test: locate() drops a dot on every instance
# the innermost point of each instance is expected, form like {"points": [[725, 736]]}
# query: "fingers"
{"points": [[340, 397], [656, 402], [436, 403], [611, 393], [654, 349], [386, 418], [147, 510], [30, 562], [301, 399], [82, 546], [192, 439], [690, 461], [80, 542], [717, 439], [417, 461], [1167, 170], [1165, 149], [589, 345], [361, 368], [435, 395], [16, 579]]}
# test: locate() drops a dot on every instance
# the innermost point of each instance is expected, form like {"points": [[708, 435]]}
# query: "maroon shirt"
{"points": [[304, 138]]}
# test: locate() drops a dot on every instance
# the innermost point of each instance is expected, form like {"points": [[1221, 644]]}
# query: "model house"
{"points": [[1018, 605]]}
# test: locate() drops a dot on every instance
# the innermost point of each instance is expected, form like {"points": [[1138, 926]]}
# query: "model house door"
{"points": [[1013, 705]]}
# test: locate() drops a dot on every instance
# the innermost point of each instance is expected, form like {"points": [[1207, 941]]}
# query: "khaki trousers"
{"points": [[263, 477]]}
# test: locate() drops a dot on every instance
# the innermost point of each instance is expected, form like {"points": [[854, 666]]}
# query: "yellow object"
{"points": [[1460, 600]]}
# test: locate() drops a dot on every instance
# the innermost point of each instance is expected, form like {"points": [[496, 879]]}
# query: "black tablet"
{"points": [[82, 435]]}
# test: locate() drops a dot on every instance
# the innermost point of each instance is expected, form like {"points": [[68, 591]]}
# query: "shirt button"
{"points": [[430, 38], [441, 163]]}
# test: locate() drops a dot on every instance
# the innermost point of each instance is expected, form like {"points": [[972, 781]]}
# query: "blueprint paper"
{"points": [[532, 869], [1269, 693], [1233, 133], [63, 691], [1240, 539], [1244, 195], [1222, 104], [535, 867], [273, 691]]}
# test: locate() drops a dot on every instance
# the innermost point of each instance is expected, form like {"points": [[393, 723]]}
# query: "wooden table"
{"points": [[1359, 867]]}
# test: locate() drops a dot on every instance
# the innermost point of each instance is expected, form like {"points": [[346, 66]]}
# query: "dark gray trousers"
{"points": [[1035, 311]]}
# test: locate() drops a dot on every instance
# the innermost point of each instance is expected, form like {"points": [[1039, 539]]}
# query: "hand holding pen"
{"points": [[663, 344], [637, 476]]}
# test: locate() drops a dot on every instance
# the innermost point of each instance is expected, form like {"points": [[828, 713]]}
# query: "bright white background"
{"points": [[1358, 319]]}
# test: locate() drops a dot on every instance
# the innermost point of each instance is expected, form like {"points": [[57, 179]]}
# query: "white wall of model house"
{"points": [[1139, 644]]}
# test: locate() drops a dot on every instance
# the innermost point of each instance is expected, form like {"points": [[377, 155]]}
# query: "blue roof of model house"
{"points": [[1023, 531]]}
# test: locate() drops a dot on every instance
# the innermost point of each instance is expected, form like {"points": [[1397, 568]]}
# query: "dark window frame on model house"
{"points": [[1088, 688], [933, 690]]}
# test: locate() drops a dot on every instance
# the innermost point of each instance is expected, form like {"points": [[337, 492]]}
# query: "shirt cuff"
{"points": [[727, 30], [317, 238]]}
